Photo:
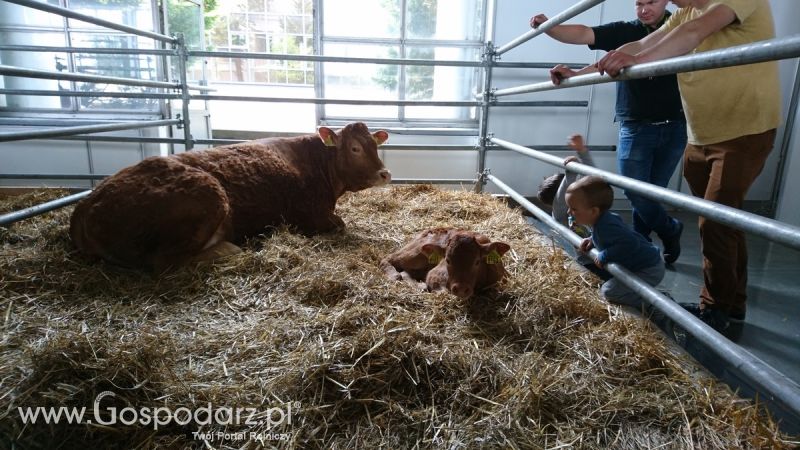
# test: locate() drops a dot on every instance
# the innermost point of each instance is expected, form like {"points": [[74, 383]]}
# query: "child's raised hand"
{"points": [[576, 142]]}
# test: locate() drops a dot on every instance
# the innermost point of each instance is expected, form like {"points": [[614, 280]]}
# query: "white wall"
{"points": [[788, 210]]}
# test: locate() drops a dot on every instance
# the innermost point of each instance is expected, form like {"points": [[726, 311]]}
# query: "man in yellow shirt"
{"points": [[732, 116]]}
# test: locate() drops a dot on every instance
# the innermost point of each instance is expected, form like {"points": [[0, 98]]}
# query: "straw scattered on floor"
{"points": [[312, 324]]}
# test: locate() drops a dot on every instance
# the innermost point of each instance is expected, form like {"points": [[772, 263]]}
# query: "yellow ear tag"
{"points": [[493, 257], [434, 258], [329, 142]]}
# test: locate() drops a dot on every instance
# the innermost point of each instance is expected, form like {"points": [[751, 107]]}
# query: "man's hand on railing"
{"points": [[560, 72], [614, 61], [538, 20]]}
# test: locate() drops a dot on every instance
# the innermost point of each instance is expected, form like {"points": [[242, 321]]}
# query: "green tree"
{"points": [[421, 23], [184, 17]]}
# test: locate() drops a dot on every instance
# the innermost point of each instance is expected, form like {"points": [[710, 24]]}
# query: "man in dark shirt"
{"points": [[652, 127]]}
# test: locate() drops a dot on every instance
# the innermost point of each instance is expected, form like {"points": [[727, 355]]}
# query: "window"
{"points": [[263, 26], [409, 29], [26, 26]]}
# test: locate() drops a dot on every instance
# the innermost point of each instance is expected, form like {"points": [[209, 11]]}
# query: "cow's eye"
{"points": [[477, 262], [355, 149]]}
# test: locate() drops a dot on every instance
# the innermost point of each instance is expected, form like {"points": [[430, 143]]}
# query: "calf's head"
{"points": [[469, 259], [357, 162]]}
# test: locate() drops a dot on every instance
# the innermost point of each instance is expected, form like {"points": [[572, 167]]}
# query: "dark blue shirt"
{"points": [[618, 243], [653, 99]]}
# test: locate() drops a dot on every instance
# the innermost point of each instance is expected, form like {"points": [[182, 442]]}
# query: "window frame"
{"points": [[403, 43], [69, 28]]}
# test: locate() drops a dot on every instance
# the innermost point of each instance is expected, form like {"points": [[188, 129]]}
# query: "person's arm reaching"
{"points": [[568, 34], [662, 45]]}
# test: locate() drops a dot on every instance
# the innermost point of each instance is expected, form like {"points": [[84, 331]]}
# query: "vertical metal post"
{"points": [[401, 80], [483, 138], [319, 71], [183, 60]]}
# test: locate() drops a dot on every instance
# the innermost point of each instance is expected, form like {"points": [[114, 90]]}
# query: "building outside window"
{"points": [[414, 29], [411, 29], [263, 26]]}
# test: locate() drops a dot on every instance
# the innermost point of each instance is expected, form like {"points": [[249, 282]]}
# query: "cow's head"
{"points": [[357, 161], [467, 261]]}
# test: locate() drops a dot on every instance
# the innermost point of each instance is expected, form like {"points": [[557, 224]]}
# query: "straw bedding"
{"points": [[311, 324]]}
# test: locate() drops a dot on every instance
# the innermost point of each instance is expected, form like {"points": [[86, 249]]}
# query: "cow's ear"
{"points": [[501, 248], [380, 137], [433, 252], [328, 136], [495, 251]]}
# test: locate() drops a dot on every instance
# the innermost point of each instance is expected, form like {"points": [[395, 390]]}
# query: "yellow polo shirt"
{"points": [[724, 104]]}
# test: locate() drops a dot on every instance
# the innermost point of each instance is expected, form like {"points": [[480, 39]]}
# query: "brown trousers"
{"points": [[723, 173]]}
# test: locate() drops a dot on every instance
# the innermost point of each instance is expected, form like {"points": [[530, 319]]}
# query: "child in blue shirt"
{"points": [[553, 190], [589, 200]]}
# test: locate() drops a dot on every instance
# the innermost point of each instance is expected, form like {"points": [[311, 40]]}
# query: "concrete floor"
{"points": [[771, 331]]}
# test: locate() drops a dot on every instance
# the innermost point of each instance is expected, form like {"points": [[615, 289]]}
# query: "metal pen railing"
{"points": [[770, 50], [766, 379], [552, 22], [768, 382], [64, 12], [70, 131], [770, 229], [771, 384]]}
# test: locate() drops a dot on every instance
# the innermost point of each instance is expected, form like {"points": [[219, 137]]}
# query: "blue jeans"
{"points": [[650, 153]]}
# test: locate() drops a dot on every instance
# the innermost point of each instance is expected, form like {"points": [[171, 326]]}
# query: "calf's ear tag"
{"points": [[329, 141], [493, 257], [434, 258]]}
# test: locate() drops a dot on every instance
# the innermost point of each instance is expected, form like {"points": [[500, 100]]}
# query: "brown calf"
{"points": [[462, 262], [194, 206]]}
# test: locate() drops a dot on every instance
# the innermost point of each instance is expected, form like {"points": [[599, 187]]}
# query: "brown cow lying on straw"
{"points": [[462, 262], [195, 206]]}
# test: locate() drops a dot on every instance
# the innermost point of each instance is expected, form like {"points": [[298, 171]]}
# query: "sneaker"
{"points": [[672, 245], [714, 318]]}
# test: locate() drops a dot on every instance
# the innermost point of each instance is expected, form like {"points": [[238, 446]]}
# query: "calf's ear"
{"points": [[433, 252], [380, 136], [328, 136], [494, 251], [501, 248]]}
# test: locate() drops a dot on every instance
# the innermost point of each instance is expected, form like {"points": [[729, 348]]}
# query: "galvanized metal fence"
{"points": [[769, 383]]}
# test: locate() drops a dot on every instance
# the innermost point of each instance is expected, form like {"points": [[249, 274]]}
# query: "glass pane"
{"points": [[444, 19], [294, 24], [284, 6], [134, 13], [358, 18], [35, 60], [255, 5], [186, 17], [361, 81], [144, 67], [219, 33], [256, 22], [441, 83], [17, 15], [258, 42], [238, 22]]}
